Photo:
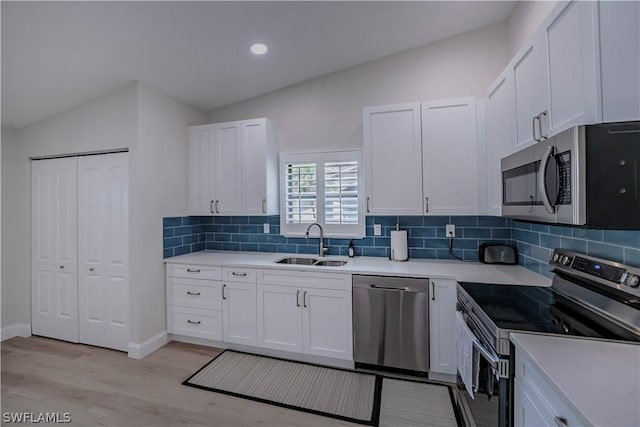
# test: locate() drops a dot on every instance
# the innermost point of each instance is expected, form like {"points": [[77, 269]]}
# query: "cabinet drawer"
{"points": [[244, 275], [306, 279], [194, 271], [195, 323], [205, 294]]}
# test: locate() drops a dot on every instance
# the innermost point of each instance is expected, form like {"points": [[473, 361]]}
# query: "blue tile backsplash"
{"points": [[426, 238]]}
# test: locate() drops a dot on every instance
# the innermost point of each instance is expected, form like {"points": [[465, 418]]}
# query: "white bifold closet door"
{"points": [[54, 249], [80, 254]]}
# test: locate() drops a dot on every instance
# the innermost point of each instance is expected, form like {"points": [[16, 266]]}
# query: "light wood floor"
{"points": [[104, 387]]}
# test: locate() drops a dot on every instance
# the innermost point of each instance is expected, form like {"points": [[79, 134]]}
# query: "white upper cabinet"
{"points": [[556, 74], [500, 131], [620, 60], [449, 157], [233, 168], [392, 158]]}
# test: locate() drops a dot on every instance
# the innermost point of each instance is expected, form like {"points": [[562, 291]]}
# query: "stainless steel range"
{"points": [[589, 297]]}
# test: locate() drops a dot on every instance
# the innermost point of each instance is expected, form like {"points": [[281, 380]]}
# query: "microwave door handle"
{"points": [[542, 173]]}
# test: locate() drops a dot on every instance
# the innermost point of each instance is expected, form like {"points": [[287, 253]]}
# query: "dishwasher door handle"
{"points": [[389, 288]]}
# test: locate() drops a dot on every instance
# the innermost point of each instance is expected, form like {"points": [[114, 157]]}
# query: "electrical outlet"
{"points": [[266, 228], [377, 230], [451, 230]]}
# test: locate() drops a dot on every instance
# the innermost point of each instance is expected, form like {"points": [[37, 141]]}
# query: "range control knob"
{"points": [[566, 260], [632, 281], [555, 257]]}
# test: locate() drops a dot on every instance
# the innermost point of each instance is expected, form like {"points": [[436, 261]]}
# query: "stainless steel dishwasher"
{"points": [[391, 322]]}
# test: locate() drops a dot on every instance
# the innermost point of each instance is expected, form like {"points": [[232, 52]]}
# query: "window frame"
{"points": [[320, 158]]}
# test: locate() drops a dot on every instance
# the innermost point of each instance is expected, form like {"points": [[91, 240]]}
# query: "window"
{"points": [[325, 188]]}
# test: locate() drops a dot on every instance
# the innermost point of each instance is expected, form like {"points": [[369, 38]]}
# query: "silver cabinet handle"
{"points": [[433, 291], [368, 210], [426, 204], [62, 267], [298, 298], [192, 322], [235, 273], [193, 270], [533, 127], [211, 206], [561, 421], [223, 288], [542, 136], [217, 210], [264, 206], [304, 299], [91, 269], [193, 293]]}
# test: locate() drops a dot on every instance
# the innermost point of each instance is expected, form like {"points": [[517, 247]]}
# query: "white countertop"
{"points": [[439, 269], [600, 379]]}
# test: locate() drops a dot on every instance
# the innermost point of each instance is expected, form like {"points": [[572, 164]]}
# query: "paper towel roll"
{"points": [[399, 251]]}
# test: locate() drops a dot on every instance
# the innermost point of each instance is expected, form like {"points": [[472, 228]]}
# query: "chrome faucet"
{"points": [[321, 249]]}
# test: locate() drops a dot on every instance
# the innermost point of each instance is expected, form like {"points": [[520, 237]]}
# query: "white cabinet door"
{"points": [[103, 250], [327, 323], [525, 411], [54, 278], [442, 337], [392, 159], [571, 40], [280, 318], [620, 60], [259, 168], [239, 306], [531, 91], [201, 179], [228, 169], [500, 136], [449, 157]]}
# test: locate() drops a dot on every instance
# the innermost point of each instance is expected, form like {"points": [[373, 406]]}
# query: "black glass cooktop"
{"points": [[538, 309]]}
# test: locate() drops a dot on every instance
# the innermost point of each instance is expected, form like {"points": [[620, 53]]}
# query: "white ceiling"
{"points": [[56, 55]]}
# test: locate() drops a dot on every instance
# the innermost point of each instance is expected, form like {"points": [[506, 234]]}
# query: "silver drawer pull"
{"points": [[193, 270], [239, 274], [193, 293], [561, 421], [192, 322]]}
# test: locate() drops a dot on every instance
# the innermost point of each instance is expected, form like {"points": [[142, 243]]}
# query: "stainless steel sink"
{"points": [[303, 261], [331, 263], [312, 261]]}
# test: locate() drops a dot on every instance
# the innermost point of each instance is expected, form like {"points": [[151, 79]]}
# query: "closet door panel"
{"points": [[103, 206], [54, 249]]}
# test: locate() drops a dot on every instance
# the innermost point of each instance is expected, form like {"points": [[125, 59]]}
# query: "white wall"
{"points": [[524, 19], [158, 183], [326, 112]]}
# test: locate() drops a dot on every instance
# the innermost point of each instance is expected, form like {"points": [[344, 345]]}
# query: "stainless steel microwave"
{"points": [[587, 175]]}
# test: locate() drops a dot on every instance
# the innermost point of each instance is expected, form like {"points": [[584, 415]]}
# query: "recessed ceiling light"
{"points": [[259, 48]]}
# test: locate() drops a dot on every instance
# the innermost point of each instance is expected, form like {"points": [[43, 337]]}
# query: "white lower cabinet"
{"points": [[442, 337], [313, 319], [536, 402], [239, 313]]}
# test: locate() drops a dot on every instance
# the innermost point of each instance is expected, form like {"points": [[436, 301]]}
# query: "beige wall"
{"points": [[523, 21], [326, 112]]}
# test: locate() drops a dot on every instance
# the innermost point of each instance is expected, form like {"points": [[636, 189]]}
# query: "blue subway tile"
{"points": [[573, 244], [501, 233], [267, 247], [258, 238], [521, 225], [208, 220], [231, 228], [382, 241], [464, 221], [628, 238], [367, 241], [230, 246], [213, 228], [250, 229], [470, 255], [423, 253], [251, 247], [292, 249], [275, 229], [415, 242], [200, 228], [241, 237], [167, 232], [492, 221], [632, 257], [256, 220], [379, 252], [300, 240], [475, 233], [222, 237], [338, 242], [526, 236], [560, 230], [182, 231], [436, 243], [273, 220], [435, 221], [174, 221], [603, 250], [524, 249], [200, 246], [216, 246], [187, 240], [549, 241], [587, 234], [202, 237], [465, 244], [167, 253], [276, 239], [422, 232], [368, 231], [444, 254], [385, 220], [209, 237], [368, 221], [540, 254], [309, 249], [532, 264], [540, 228], [172, 242], [239, 220], [222, 220], [411, 221], [441, 232], [181, 250], [189, 220]]}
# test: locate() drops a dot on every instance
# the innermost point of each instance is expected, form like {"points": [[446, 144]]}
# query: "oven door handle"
{"points": [[542, 185], [490, 357]]}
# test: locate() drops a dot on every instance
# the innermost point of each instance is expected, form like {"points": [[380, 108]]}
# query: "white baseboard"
{"points": [[16, 330], [138, 351]]}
